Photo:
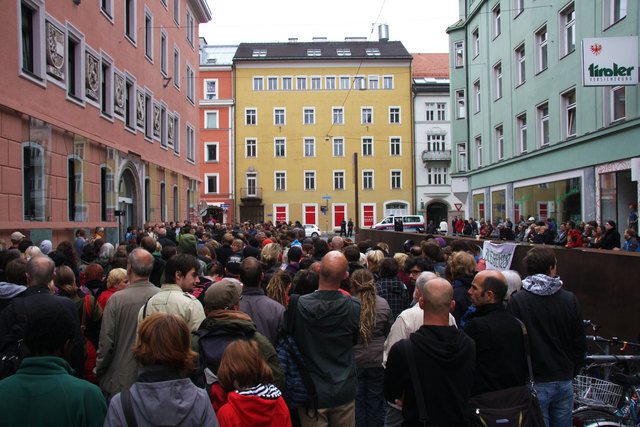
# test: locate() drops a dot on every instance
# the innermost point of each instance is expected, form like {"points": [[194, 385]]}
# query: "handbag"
{"points": [[515, 406]]}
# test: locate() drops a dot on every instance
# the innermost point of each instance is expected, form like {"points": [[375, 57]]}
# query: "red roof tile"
{"points": [[430, 65]]}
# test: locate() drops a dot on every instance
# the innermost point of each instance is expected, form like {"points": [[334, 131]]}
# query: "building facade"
{"points": [[98, 115], [432, 124], [530, 137], [217, 110], [323, 127]]}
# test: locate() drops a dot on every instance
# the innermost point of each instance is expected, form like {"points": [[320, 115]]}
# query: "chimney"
{"points": [[319, 39], [383, 32], [293, 40]]}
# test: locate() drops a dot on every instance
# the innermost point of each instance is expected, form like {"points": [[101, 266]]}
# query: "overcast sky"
{"points": [[419, 24]]}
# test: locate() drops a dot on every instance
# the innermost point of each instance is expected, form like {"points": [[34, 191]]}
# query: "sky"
{"points": [[419, 24]]}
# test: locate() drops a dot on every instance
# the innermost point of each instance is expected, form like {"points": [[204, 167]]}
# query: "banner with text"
{"points": [[498, 256], [610, 61]]}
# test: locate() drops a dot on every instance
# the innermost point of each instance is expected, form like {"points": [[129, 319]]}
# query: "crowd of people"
{"points": [[182, 324], [547, 231]]}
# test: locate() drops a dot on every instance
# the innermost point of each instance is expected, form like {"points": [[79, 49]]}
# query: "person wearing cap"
{"points": [[181, 277], [221, 304], [16, 238]]}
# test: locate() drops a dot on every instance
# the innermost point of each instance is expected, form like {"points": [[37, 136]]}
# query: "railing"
{"points": [[251, 193], [436, 155]]}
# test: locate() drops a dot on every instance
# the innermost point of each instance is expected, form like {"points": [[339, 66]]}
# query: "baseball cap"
{"points": [[223, 295], [531, 218], [233, 264], [16, 236]]}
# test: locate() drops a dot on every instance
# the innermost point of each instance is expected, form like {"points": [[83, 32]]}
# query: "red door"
{"points": [[368, 215], [310, 215], [338, 215], [281, 213]]}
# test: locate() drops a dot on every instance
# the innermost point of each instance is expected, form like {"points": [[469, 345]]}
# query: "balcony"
{"points": [[251, 194], [428, 156]]}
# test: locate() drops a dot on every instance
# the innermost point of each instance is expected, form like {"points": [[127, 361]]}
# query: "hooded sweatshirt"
{"points": [[445, 357], [8, 291], [259, 406]]}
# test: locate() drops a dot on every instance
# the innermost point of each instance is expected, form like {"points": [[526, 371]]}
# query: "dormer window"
{"points": [[313, 52], [257, 53], [343, 52], [372, 51]]}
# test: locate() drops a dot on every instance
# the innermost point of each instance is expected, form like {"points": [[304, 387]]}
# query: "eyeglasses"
{"points": [[412, 272]]}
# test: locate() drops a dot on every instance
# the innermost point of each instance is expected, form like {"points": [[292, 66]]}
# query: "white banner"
{"points": [[498, 256], [610, 61]]}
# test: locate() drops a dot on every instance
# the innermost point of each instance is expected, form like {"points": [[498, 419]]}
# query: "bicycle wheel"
{"points": [[591, 417]]}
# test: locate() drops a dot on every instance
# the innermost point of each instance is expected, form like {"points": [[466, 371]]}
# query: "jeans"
{"points": [[370, 402], [556, 402], [338, 416]]}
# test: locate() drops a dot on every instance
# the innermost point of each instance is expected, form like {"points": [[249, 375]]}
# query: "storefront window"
{"points": [[498, 203], [478, 206], [559, 200]]}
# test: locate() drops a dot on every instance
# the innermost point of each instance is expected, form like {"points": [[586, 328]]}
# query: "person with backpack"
{"points": [[223, 325]]}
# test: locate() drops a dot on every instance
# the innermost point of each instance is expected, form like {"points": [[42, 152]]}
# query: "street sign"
{"points": [[224, 205], [458, 206], [327, 197]]}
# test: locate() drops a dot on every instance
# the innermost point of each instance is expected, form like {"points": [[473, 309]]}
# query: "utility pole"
{"points": [[355, 185]]}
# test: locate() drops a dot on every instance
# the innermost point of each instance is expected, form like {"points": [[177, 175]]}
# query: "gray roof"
{"points": [[217, 55], [321, 50]]}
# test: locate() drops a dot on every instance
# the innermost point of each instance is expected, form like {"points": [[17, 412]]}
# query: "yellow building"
{"points": [[323, 124]]}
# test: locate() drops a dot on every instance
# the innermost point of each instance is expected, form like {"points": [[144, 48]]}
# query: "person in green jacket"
{"points": [[43, 392]]}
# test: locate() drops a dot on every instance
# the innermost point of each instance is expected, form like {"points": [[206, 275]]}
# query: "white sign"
{"points": [[498, 256], [610, 61]]}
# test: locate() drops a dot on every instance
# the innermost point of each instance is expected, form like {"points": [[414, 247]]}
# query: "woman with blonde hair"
{"points": [[374, 258], [116, 281], [252, 399], [163, 395], [271, 258], [279, 286], [376, 319]]}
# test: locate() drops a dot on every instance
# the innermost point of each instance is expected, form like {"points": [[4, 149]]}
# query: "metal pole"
{"points": [[355, 185]]}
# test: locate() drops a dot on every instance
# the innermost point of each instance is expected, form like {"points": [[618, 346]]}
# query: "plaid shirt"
{"points": [[395, 292]]}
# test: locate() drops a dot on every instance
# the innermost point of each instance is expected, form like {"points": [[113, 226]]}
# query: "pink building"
{"points": [[216, 134], [98, 115]]}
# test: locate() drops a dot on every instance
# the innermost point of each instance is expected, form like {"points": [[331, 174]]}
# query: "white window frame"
{"points": [[337, 115], [359, 82], [475, 42], [461, 156], [367, 146], [251, 177], [388, 82], [337, 146], [496, 21], [40, 190], [206, 183], [309, 177], [520, 63], [395, 115], [148, 34], [497, 81], [344, 82], [258, 83], [499, 139], [287, 83], [363, 110], [176, 12], [330, 83], [207, 115], [436, 142], [176, 133], [541, 37], [191, 84], [106, 8], [130, 92], [205, 155], [567, 30], [395, 179], [458, 48], [191, 143], [569, 113], [250, 144], [461, 104], [518, 8], [316, 83], [613, 11], [279, 116], [610, 100], [38, 75], [106, 105], [309, 142], [272, 83], [79, 67], [207, 94], [280, 175], [309, 116], [190, 26], [430, 111], [339, 175], [441, 111], [476, 97], [250, 114], [176, 67], [374, 82], [395, 146], [368, 179], [542, 122], [477, 141], [301, 83], [131, 15], [279, 147], [521, 132], [164, 52]]}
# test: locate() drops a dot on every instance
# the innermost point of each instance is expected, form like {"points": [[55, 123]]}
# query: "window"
{"points": [[176, 201], [280, 147], [309, 115], [211, 181], [174, 128], [387, 82], [462, 157], [497, 81], [459, 54], [148, 122], [259, 53], [280, 180], [394, 115], [316, 83], [614, 10], [164, 52], [211, 120], [359, 82], [250, 116], [210, 88], [33, 182], [251, 148], [521, 132], [396, 180], [176, 67], [314, 52], [129, 103], [567, 30], [367, 146], [475, 42], [272, 83], [568, 102], [163, 202], [338, 180], [461, 108], [106, 87], [542, 112], [330, 83], [343, 52], [287, 83], [395, 146], [367, 180], [191, 84], [309, 180], [367, 115], [211, 152], [430, 110], [442, 111], [279, 116], [478, 144], [374, 82], [301, 83], [32, 39], [106, 6], [476, 96], [437, 176], [176, 11], [497, 25], [191, 143], [338, 115], [106, 190], [338, 147], [130, 26], [74, 64], [252, 184], [309, 147], [345, 82], [148, 35], [616, 104], [520, 65], [372, 51], [435, 142], [258, 83], [499, 142], [190, 26], [518, 7], [541, 49]]}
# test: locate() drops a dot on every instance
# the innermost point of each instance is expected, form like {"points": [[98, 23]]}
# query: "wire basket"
{"points": [[596, 391]]}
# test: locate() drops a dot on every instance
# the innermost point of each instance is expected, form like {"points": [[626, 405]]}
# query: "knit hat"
{"points": [[265, 242], [46, 246], [223, 295]]}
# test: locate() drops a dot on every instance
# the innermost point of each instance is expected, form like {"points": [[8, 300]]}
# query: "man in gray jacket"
{"points": [[115, 367]]}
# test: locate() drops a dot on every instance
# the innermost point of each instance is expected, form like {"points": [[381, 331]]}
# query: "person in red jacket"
{"points": [[574, 240], [251, 398]]}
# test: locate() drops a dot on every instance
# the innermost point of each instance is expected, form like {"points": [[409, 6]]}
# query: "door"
{"points": [[339, 213], [368, 215], [310, 216]]}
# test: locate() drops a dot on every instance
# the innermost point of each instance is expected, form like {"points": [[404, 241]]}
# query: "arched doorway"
{"points": [[128, 201], [436, 212]]}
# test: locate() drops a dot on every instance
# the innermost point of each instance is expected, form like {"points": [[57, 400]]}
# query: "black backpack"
{"points": [[12, 348], [211, 346]]}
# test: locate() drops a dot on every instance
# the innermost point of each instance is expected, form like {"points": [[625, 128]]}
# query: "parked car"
{"points": [[311, 230], [409, 223]]}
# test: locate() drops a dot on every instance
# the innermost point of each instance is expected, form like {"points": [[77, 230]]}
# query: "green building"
{"points": [[529, 136]]}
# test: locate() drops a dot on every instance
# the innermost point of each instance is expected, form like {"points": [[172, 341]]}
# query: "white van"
{"points": [[409, 223]]}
